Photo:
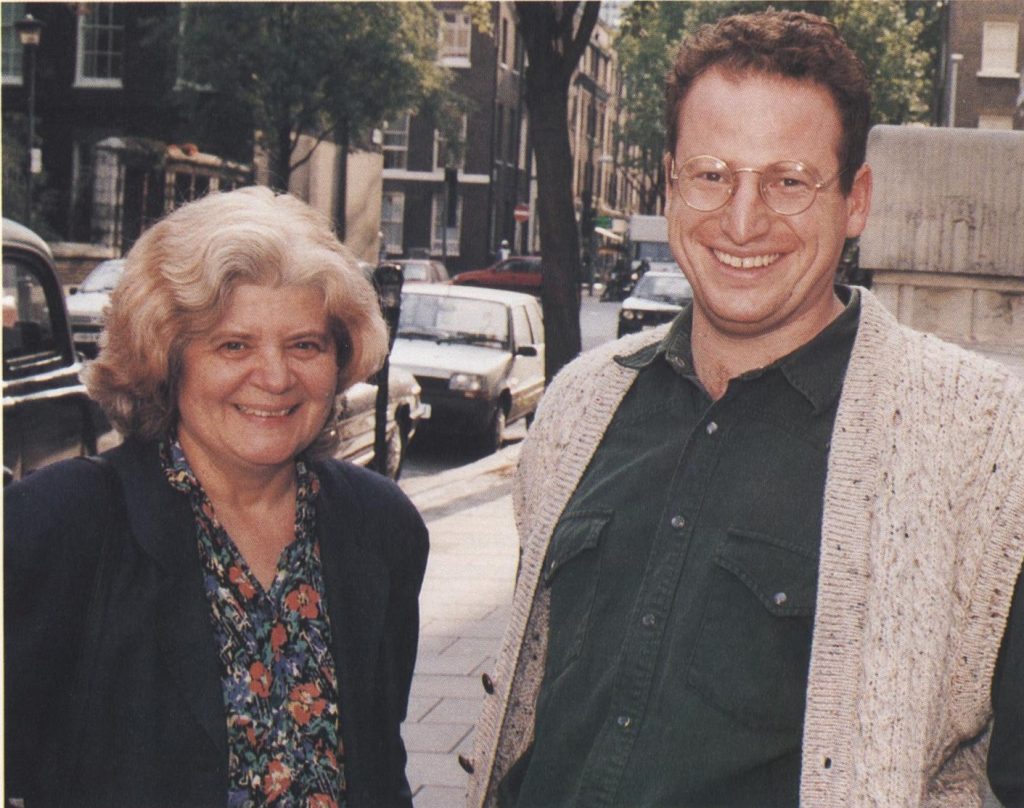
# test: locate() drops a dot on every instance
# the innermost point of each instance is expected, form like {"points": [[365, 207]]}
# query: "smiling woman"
{"points": [[224, 599]]}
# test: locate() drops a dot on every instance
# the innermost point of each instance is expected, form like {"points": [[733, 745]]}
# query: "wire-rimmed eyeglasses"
{"points": [[706, 183]]}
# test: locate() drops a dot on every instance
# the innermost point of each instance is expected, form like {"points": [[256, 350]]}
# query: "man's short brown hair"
{"points": [[792, 44]]}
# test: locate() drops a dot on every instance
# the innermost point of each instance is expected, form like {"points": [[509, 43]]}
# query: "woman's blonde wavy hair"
{"points": [[176, 284]]}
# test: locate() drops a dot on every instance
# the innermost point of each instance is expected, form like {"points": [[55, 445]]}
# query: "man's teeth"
{"points": [[748, 262], [263, 413]]}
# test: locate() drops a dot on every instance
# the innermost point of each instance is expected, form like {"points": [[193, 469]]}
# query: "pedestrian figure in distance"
{"points": [[771, 553]]}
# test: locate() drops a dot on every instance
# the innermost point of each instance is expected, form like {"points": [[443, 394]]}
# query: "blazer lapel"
{"points": [[356, 580], [163, 525]]}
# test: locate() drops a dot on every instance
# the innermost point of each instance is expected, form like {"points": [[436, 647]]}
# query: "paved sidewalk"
{"points": [[463, 611]]}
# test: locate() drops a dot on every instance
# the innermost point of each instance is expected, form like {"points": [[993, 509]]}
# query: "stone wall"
{"points": [[945, 239]]}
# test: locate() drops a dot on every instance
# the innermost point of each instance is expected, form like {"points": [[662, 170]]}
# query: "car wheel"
{"points": [[495, 434], [395, 453]]}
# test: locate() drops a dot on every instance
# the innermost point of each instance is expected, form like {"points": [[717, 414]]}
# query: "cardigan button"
{"points": [[488, 684], [466, 764]]}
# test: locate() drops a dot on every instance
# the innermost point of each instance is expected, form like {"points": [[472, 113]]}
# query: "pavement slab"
{"points": [[464, 608]]}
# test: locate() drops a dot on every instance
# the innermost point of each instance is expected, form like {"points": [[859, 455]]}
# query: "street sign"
{"points": [[522, 212], [603, 221]]}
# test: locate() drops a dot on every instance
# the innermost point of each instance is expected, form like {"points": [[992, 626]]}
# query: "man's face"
{"points": [[756, 273]]}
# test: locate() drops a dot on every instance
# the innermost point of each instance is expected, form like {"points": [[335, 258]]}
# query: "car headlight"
{"points": [[627, 314], [466, 382]]}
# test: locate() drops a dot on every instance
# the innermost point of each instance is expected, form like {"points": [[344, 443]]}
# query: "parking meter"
{"points": [[387, 280]]}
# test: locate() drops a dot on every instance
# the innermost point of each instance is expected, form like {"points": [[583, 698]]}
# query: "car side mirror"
{"points": [[526, 350]]}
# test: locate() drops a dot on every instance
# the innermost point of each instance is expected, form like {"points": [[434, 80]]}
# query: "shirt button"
{"points": [[624, 721], [678, 522], [648, 620], [711, 428], [779, 598]]}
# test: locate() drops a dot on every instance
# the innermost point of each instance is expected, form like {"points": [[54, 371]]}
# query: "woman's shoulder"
{"points": [[62, 491], [345, 485]]}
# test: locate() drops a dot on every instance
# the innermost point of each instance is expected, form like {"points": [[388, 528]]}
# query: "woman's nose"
{"points": [[273, 372], [746, 216]]}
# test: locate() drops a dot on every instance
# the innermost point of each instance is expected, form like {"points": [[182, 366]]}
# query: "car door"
{"points": [[526, 376], [48, 415]]}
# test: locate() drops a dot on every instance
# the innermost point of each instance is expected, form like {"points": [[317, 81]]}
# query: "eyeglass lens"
{"points": [[707, 183]]}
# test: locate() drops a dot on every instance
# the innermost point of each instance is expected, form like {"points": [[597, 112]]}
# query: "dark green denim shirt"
{"points": [[683, 576]]}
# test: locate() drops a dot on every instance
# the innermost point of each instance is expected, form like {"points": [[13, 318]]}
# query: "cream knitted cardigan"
{"points": [[922, 541]]}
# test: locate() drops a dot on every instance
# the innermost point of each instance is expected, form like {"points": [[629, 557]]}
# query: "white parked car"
{"points": [[657, 298], [87, 302], [478, 355]]}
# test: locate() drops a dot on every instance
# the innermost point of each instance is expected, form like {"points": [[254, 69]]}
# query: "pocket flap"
{"points": [[782, 576], [574, 534]]}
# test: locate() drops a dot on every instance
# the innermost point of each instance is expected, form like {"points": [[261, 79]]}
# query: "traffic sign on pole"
{"points": [[522, 212]]}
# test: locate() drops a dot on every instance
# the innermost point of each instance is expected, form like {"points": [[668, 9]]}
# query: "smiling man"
{"points": [[769, 553]]}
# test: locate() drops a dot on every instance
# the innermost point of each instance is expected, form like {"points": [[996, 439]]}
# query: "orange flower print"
{"points": [[320, 801], [304, 600], [277, 780], [278, 637], [260, 679], [303, 703], [241, 580]]}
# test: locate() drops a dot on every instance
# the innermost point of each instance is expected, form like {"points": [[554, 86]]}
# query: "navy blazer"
{"points": [[128, 710]]}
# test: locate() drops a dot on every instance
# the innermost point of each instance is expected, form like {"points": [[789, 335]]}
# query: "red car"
{"points": [[519, 273]]}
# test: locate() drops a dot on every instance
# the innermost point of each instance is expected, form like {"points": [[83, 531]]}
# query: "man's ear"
{"points": [[858, 202]]}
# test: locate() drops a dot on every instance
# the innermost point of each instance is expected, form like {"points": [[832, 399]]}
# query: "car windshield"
{"points": [[415, 270], [664, 288], [654, 251], [454, 319], [103, 278]]}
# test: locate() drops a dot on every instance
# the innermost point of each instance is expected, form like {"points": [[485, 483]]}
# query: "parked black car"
{"points": [[47, 413]]}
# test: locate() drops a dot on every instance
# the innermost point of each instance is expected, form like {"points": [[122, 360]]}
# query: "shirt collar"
{"points": [[815, 369]]}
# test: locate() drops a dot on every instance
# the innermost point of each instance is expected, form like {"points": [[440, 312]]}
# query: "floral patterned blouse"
{"points": [[277, 673]]}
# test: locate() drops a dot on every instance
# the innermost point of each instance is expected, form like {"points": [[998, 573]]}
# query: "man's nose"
{"points": [[746, 216]]}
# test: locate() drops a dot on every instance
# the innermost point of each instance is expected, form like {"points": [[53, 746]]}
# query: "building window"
{"points": [[10, 49], [392, 220], [100, 46], [995, 121], [396, 142], [504, 43], [456, 35], [441, 154], [437, 227], [999, 50]]}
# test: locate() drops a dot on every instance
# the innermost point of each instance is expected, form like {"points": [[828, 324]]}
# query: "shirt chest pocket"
{"points": [[753, 647], [571, 572]]}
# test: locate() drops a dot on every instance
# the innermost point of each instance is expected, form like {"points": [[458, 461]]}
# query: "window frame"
{"points": [[113, 29], [998, 41], [390, 130], [390, 247], [455, 27], [13, 53], [437, 214]]}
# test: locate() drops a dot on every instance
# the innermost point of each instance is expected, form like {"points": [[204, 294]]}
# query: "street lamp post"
{"points": [[387, 279], [29, 33]]}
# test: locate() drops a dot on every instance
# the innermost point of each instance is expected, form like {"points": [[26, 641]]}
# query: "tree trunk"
{"points": [[342, 141], [280, 163], [554, 49], [559, 236]]}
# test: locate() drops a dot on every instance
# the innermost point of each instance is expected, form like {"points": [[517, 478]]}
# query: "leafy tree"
{"points": [[556, 35], [330, 71], [896, 40]]}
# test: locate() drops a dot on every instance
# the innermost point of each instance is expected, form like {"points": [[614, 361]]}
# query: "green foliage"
{"points": [[897, 40], [314, 68]]}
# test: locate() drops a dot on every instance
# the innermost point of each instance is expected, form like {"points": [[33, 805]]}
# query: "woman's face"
{"points": [[257, 389]]}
